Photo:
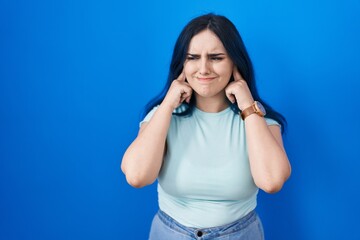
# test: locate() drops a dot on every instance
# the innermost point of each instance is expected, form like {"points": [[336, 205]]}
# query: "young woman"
{"points": [[209, 139]]}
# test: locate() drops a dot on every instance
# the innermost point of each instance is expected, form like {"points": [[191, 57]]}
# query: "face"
{"points": [[208, 67]]}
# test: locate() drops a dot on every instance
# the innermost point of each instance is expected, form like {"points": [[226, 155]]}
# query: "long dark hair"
{"points": [[232, 41]]}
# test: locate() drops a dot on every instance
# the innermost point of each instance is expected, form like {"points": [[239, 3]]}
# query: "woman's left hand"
{"points": [[239, 91]]}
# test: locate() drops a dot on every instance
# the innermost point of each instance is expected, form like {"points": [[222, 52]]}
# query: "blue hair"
{"points": [[232, 41]]}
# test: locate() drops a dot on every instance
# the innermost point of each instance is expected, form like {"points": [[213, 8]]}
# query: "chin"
{"points": [[204, 94]]}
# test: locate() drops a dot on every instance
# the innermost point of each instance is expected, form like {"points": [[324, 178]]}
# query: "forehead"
{"points": [[206, 41]]}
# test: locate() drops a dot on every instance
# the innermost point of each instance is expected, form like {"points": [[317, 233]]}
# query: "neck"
{"points": [[211, 104]]}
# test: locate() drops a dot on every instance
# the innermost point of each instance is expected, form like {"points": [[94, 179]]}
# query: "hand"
{"points": [[178, 92], [238, 91]]}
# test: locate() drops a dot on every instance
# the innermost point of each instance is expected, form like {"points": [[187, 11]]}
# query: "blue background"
{"points": [[75, 75]]}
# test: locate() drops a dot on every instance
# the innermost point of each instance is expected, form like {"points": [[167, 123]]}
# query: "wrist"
{"points": [[256, 108], [166, 107], [246, 104]]}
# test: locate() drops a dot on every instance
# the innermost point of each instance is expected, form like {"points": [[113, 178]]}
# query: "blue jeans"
{"points": [[166, 228]]}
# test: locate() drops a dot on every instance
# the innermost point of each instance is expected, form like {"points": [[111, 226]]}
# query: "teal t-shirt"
{"points": [[205, 180]]}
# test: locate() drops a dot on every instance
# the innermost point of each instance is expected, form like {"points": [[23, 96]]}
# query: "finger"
{"points": [[230, 96], [237, 75], [186, 94], [182, 99], [181, 77]]}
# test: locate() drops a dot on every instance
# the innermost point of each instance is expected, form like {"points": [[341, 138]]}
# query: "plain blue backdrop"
{"points": [[75, 75]]}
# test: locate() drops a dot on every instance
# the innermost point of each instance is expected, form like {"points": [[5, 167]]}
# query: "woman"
{"points": [[206, 140]]}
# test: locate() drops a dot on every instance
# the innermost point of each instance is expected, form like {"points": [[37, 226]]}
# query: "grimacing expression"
{"points": [[207, 67]]}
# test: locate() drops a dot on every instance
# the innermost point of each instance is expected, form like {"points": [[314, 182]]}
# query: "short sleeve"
{"points": [[270, 121], [149, 115]]}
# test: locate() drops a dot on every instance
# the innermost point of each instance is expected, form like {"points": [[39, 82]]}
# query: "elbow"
{"points": [[132, 178], [136, 174], [275, 183], [271, 185], [136, 180]]}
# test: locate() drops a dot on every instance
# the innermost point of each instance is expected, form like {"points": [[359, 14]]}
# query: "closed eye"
{"points": [[192, 57], [212, 56], [216, 58]]}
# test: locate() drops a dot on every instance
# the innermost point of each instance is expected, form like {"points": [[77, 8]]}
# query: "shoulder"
{"points": [[271, 121], [176, 113], [149, 115]]}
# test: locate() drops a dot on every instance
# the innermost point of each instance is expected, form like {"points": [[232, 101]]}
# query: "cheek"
{"points": [[189, 70], [224, 70]]}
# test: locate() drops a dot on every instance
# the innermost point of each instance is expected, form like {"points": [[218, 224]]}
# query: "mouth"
{"points": [[205, 79]]}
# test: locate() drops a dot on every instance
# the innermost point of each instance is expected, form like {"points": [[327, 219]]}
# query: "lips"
{"points": [[205, 79]]}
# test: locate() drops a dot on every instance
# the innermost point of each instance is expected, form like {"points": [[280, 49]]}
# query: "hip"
{"points": [[247, 227]]}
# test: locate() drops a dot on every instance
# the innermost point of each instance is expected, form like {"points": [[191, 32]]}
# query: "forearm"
{"points": [[268, 160], [143, 159]]}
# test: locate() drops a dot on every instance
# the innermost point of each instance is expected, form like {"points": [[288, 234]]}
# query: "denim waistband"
{"points": [[238, 225]]}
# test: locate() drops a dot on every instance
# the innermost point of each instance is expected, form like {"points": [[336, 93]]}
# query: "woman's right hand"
{"points": [[178, 92]]}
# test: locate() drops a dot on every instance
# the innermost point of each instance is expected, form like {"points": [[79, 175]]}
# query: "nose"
{"points": [[204, 68]]}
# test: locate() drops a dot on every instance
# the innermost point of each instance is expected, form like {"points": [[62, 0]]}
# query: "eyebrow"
{"points": [[210, 54]]}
